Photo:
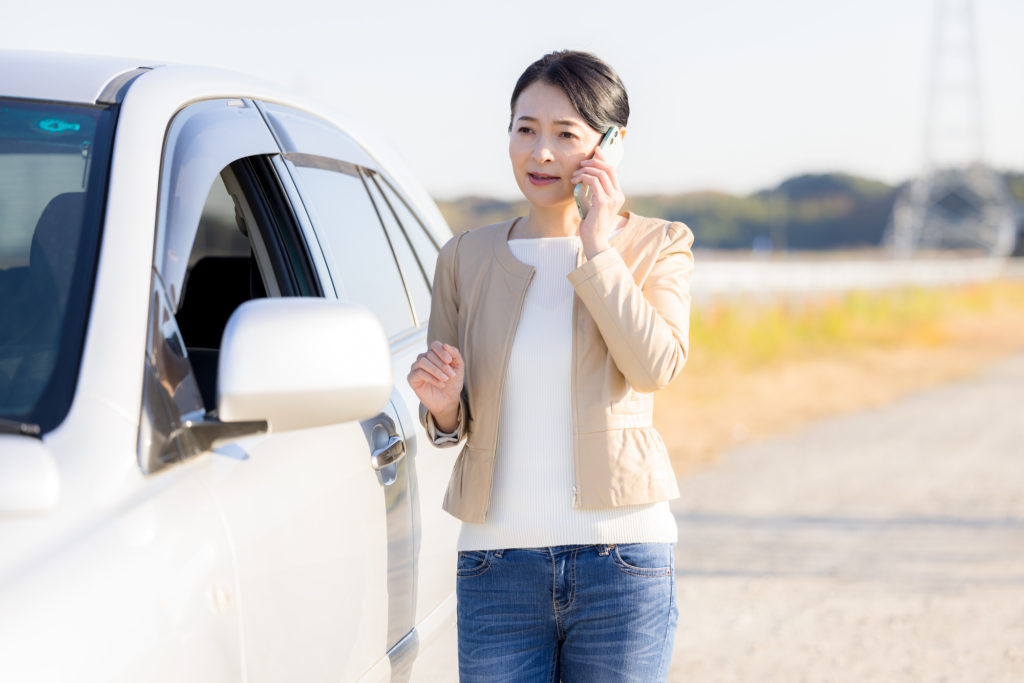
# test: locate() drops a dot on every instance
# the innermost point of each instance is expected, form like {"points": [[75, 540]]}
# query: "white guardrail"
{"points": [[713, 278]]}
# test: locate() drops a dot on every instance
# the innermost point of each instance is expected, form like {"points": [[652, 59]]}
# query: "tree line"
{"points": [[806, 212]]}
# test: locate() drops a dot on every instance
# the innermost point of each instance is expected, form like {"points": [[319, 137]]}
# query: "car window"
{"points": [[357, 250], [202, 139], [246, 246], [220, 231], [412, 272], [222, 272], [422, 242], [242, 251], [53, 175]]}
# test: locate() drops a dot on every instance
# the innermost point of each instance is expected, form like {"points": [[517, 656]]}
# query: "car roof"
{"points": [[64, 77], [91, 79]]}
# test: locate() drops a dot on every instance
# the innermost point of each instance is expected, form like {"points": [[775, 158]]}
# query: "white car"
{"points": [[211, 467]]}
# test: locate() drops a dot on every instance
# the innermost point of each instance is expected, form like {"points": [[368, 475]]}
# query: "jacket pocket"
{"points": [[632, 403], [635, 406], [634, 411]]}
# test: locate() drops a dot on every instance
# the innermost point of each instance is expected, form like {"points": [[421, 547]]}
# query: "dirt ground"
{"points": [[709, 409], [884, 545]]}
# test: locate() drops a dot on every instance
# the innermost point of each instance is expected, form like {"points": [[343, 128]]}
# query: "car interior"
{"points": [[222, 275], [36, 296], [246, 247]]}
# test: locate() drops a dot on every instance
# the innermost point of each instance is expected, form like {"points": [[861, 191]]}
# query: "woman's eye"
{"points": [[524, 130], [568, 136]]}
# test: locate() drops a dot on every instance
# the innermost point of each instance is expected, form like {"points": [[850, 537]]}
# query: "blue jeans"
{"points": [[572, 613]]}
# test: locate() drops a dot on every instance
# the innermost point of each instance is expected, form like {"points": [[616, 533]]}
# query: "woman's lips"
{"points": [[541, 178]]}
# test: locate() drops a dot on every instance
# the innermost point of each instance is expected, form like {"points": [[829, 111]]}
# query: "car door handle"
{"points": [[389, 454]]}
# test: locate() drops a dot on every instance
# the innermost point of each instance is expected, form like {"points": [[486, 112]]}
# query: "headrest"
{"points": [[55, 242], [214, 288]]}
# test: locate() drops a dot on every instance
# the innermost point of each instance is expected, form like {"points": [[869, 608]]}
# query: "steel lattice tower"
{"points": [[957, 201]]}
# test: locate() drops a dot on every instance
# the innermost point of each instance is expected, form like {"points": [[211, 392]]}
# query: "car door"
{"points": [[380, 252], [306, 511], [416, 248]]}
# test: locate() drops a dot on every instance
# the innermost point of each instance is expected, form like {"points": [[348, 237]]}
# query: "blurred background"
{"points": [[791, 125], [848, 430]]}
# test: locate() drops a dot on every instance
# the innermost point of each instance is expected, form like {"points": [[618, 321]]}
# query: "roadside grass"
{"points": [[761, 367], [751, 334]]}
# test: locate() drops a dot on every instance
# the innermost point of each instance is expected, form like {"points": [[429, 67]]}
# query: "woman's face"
{"points": [[547, 142]]}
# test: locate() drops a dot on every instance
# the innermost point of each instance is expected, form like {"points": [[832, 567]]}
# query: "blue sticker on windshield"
{"points": [[58, 126]]}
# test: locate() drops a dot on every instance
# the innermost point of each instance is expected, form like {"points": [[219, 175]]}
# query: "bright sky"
{"points": [[733, 95]]}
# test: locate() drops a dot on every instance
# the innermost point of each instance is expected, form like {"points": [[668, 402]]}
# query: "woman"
{"points": [[548, 334]]}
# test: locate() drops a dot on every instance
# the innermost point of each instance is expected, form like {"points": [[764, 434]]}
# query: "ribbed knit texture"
{"points": [[532, 489]]}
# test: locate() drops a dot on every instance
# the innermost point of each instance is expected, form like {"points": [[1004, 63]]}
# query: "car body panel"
{"points": [[100, 565], [314, 599], [189, 573]]}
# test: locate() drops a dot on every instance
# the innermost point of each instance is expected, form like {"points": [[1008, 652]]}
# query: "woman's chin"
{"points": [[543, 198]]}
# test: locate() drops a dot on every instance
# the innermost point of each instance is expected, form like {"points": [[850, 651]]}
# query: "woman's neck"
{"points": [[549, 221]]}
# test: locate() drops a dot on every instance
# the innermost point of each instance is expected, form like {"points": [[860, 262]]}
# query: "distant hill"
{"points": [[1015, 181], [812, 211]]}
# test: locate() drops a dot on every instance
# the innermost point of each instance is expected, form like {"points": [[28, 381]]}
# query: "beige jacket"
{"points": [[630, 337]]}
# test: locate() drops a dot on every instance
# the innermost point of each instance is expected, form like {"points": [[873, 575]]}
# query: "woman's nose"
{"points": [[542, 151]]}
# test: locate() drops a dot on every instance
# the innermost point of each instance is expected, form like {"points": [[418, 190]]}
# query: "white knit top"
{"points": [[531, 502]]}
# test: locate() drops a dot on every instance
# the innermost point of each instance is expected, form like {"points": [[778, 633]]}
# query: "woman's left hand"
{"points": [[606, 199]]}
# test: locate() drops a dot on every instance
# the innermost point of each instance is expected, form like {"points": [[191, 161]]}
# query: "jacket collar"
{"points": [[515, 267]]}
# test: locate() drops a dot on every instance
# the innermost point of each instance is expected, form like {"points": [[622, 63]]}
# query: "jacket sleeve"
{"points": [[444, 327], [646, 328]]}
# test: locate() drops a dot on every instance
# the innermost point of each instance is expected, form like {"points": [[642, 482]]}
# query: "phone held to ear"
{"points": [[611, 148]]}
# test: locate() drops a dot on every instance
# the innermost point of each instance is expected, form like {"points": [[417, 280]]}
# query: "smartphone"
{"points": [[611, 148]]}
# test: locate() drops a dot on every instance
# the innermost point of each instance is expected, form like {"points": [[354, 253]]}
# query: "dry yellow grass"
{"points": [[756, 370]]}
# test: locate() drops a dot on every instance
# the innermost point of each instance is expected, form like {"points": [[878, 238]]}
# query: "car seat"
{"points": [[214, 288]]}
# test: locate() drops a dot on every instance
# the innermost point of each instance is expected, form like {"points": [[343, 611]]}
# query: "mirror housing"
{"points": [[302, 362], [29, 479]]}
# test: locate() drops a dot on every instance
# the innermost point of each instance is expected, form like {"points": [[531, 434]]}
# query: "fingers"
{"points": [[418, 379], [598, 161], [456, 361], [604, 173], [441, 351], [602, 197], [606, 182], [440, 363], [447, 355], [439, 371]]}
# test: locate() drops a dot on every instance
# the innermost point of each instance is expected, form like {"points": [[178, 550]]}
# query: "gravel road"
{"points": [[882, 546]]}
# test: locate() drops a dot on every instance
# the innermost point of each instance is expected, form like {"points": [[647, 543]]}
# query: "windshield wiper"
{"points": [[15, 427]]}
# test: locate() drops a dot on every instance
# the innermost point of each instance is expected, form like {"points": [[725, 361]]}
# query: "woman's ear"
{"points": [[622, 132]]}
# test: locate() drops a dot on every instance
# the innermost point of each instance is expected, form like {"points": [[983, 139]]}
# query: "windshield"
{"points": [[53, 174]]}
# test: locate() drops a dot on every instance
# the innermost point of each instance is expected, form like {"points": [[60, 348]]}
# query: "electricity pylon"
{"points": [[957, 201]]}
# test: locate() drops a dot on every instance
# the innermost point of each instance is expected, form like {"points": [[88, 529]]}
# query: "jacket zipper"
{"points": [[572, 383]]}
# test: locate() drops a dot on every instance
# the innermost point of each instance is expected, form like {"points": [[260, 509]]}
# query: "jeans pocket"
{"points": [[644, 559], [473, 562]]}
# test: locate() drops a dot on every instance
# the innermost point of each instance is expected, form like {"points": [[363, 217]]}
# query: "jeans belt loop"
{"points": [[605, 548], [499, 553]]}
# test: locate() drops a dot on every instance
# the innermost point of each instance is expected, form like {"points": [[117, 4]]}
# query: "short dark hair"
{"points": [[592, 86]]}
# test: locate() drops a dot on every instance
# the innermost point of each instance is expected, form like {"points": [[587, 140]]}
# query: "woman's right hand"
{"points": [[437, 376]]}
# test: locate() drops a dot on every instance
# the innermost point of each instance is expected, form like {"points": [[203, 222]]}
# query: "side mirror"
{"points": [[302, 362], [29, 480]]}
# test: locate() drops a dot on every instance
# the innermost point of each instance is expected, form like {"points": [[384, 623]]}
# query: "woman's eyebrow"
{"points": [[559, 122]]}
